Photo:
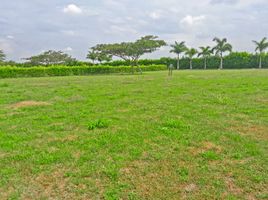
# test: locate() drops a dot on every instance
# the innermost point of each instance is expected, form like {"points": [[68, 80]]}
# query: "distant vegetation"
{"points": [[129, 54]]}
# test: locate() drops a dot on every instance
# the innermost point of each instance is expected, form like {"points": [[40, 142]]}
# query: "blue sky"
{"points": [[29, 27]]}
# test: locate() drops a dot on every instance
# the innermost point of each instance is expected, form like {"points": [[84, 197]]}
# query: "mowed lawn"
{"points": [[197, 135]]}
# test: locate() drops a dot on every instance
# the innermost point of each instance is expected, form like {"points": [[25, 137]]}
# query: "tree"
{"points": [[51, 58], [131, 51], [178, 48], [191, 52], [94, 55], [2, 56], [221, 47], [205, 53], [261, 47]]}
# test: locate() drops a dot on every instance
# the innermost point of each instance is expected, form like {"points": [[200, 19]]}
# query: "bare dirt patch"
{"points": [[29, 104]]}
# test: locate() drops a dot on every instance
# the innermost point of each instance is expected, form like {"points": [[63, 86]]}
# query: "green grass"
{"points": [[197, 135]]}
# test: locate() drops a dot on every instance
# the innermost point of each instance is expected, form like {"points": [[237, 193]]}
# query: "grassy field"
{"points": [[197, 135]]}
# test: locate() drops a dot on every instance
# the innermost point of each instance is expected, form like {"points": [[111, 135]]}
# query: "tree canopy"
{"points": [[2, 56], [222, 46], [99, 56], [131, 51], [261, 46], [178, 48], [51, 58]]}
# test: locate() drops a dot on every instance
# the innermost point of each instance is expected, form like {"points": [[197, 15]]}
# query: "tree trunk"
{"points": [[221, 65], [178, 63], [205, 67], [260, 63], [191, 64]]}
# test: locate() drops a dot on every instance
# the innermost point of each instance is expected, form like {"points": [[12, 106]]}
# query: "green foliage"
{"points": [[261, 46], [2, 56], [235, 60], [190, 53], [50, 58], [222, 46], [205, 52], [13, 72], [178, 48], [100, 123], [131, 51], [96, 55]]}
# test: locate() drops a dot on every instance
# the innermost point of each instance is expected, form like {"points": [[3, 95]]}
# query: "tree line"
{"points": [[131, 52]]}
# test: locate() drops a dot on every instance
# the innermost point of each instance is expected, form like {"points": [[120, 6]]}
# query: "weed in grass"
{"points": [[100, 123], [183, 173], [175, 124], [210, 155]]}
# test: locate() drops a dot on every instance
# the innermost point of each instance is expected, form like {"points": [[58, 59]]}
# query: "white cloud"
{"points": [[11, 37], [190, 20], [68, 49], [155, 15], [72, 9]]}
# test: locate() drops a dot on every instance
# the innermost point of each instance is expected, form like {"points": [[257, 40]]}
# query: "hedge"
{"points": [[235, 60], [40, 71]]}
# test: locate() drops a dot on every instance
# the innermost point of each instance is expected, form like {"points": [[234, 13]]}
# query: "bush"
{"points": [[14, 72]]}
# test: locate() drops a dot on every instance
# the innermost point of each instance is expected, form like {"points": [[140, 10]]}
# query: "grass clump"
{"points": [[175, 124], [98, 124]]}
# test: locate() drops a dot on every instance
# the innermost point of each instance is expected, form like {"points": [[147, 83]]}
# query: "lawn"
{"points": [[197, 135]]}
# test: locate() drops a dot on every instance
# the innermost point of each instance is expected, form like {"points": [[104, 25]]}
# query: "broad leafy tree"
{"points": [[261, 47], [95, 55], [51, 58], [131, 51], [221, 47], [190, 53], [178, 48], [205, 53], [2, 56]]}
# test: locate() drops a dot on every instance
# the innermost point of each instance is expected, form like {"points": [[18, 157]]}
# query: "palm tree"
{"points": [[178, 48], [261, 47], [221, 47], [191, 52], [205, 53], [2, 56], [92, 55]]}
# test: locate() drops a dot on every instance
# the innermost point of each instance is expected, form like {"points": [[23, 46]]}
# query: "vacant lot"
{"points": [[197, 135]]}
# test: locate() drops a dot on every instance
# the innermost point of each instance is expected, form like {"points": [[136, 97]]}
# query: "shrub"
{"points": [[40, 71]]}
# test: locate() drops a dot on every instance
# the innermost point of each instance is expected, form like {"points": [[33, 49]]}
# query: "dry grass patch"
{"points": [[49, 186], [204, 147], [29, 104], [257, 131], [157, 179]]}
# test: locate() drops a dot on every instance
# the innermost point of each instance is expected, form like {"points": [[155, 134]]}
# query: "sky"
{"points": [[29, 27]]}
